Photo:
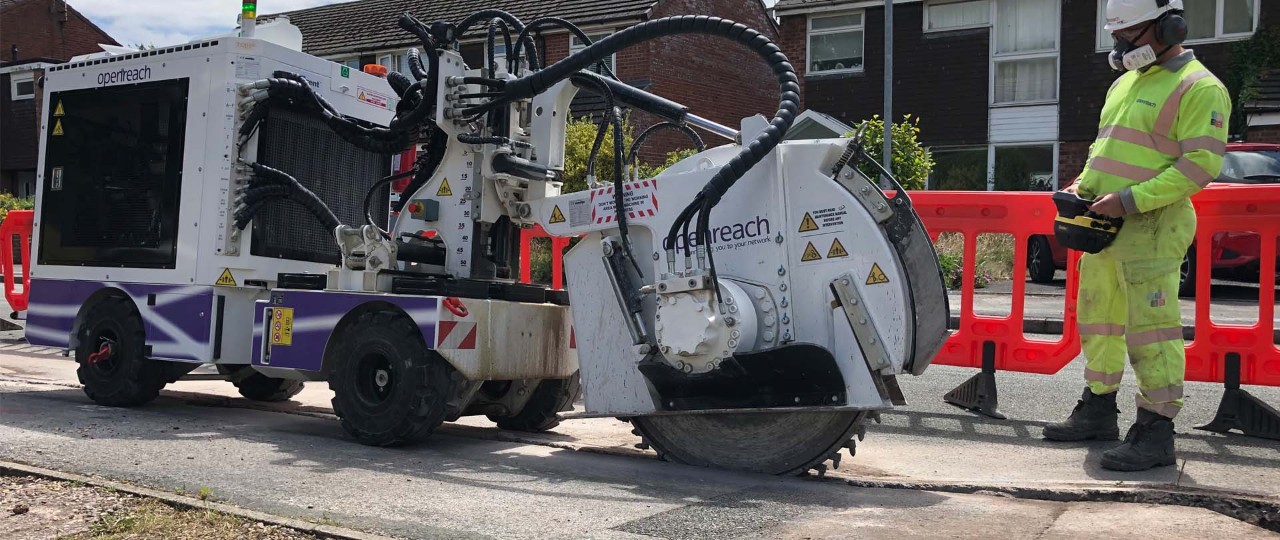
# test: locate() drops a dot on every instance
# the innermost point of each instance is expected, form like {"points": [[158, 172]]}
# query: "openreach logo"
{"points": [[124, 75]]}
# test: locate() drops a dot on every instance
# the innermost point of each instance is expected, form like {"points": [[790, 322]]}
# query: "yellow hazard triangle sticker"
{"points": [[556, 215], [837, 250], [226, 279], [807, 224], [57, 111], [810, 254], [57, 127], [445, 190], [876, 276]]}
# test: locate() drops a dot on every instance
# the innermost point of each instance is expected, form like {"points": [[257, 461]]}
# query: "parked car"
{"points": [[1244, 163]]}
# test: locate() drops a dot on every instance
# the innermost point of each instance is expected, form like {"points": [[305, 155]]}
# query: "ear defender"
{"points": [[1171, 27]]}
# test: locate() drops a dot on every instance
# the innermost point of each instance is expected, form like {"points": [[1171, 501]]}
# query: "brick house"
{"points": [[34, 34], [715, 79], [1007, 91]]}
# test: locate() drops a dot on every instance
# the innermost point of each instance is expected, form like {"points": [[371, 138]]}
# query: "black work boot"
{"points": [[1148, 444], [1095, 417]]}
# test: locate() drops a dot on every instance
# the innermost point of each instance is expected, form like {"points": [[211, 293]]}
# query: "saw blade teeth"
{"points": [[835, 459], [822, 470], [642, 445]]}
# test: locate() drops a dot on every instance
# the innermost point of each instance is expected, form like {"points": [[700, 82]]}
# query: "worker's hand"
{"points": [[1070, 189], [1109, 205]]}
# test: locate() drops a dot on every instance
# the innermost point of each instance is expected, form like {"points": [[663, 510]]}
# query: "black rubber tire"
{"points": [[1187, 275], [541, 412], [259, 387], [1040, 265], [127, 378], [411, 403]]}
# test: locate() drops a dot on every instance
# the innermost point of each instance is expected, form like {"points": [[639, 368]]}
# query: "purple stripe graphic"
{"points": [[315, 314]]}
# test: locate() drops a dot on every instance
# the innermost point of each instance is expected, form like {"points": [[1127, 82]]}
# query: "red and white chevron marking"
{"points": [[455, 335], [640, 200]]}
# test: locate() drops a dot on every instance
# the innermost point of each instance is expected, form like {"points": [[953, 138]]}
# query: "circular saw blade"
{"points": [[786, 443]]}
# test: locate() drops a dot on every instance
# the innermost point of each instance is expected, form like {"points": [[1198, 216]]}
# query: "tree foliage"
{"points": [[912, 162], [1249, 59]]}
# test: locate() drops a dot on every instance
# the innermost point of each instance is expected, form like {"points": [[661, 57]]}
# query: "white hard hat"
{"points": [[1122, 14]]}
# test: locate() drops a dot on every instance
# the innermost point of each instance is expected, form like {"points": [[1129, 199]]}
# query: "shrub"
{"points": [[912, 162], [10, 202]]}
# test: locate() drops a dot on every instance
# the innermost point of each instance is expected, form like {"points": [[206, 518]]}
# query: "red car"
{"points": [[1244, 163]]}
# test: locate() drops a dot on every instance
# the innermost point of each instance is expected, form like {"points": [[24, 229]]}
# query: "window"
{"points": [[1024, 52], [959, 169], [22, 86], [956, 14], [1207, 20], [576, 45], [835, 43], [1025, 168]]}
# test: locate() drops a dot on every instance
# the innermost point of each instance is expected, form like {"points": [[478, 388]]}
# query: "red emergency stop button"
{"points": [[415, 208]]}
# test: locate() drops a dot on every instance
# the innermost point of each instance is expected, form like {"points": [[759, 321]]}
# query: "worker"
{"points": [[1162, 136]]}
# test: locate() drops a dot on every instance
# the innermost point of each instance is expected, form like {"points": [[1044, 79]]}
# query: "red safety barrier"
{"points": [[19, 223], [1236, 208], [558, 246]]}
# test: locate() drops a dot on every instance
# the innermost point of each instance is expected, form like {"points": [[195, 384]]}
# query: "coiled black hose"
{"points": [[510, 19], [295, 192], [562, 23]]}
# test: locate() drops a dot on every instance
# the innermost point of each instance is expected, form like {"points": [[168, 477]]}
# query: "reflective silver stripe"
{"points": [[1122, 169], [1148, 337], [1141, 138], [1167, 410], [1169, 112], [1101, 329], [1210, 143], [1193, 172], [1104, 378], [1163, 395]]}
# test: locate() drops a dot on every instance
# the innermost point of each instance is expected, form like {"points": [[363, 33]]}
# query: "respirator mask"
{"points": [[1126, 55]]}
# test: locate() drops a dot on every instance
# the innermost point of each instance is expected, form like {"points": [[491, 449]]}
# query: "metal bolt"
{"points": [[693, 283], [607, 248], [835, 399], [662, 287], [666, 349], [778, 238], [521, 391], [848, 173], [759, 294], [797, 399], [730, 321], [655, 255], [728, 300], [782, 287], [733, 343], [782, 271], [881, 207], [862, 321], [784, 302], [865, 190], [711, 365], [853, 301], [786, 319], [844, 282], [736, 333], [733, 309]]}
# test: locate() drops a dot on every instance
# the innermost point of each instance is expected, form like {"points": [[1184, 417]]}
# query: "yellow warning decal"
{"points": [[807, 224], [810, 254], [57, 127], [226, 279], [362, 98], [556, 215], [445, 190], [282, 326], [57, 111], [837, 250], [876, 276]]}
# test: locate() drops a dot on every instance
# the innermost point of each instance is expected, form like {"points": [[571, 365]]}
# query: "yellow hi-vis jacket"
{"points": [[1162, 135]]}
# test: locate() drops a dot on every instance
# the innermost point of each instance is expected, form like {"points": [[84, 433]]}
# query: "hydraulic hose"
{"points": [[368, 197], [639, 141], [563, 23], [510, 19], [582, 79]]}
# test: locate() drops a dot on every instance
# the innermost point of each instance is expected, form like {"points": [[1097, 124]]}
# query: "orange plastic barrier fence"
{"points": [[558, 246], [19, 223]]}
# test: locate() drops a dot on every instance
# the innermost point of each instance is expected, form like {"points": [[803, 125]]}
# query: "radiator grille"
{"points": [[335, 170]]}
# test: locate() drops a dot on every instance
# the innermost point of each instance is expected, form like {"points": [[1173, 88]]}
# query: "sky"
{"points": [[170, 22]]}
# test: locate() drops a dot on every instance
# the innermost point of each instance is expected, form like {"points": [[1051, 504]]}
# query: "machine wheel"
{"points": [[541, 412], [389, 389], [1187, 275], [259, 387], [113, 367], [770, 443], [1040, 260]]}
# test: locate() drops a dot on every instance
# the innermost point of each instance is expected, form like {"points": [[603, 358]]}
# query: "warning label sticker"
{"points": [[876, 276], [282, 326], [579, 213], [377, 99], [837, 250], [556, 215], [57, 127], [639, 199], [445, 190], [248, 67], [807, 224], [226, 279], [57, 111], [825, 218], [810, 254]]}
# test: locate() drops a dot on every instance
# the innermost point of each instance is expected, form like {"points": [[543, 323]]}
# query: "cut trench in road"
{"points": [[1260, 511]]}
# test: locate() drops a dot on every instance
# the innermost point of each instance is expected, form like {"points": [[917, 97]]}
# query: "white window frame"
{"points": [[991, 160], [1218, 36], [14, 79], [995, 58], [930, 3], [575, 45], [987, 174], [809, 33]]}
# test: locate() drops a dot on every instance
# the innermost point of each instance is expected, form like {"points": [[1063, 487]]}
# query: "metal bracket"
{"points": [[870, 196], [864, 326]]}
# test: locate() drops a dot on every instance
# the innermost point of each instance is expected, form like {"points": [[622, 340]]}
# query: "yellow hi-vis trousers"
{"points": [[1128, 306]]}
